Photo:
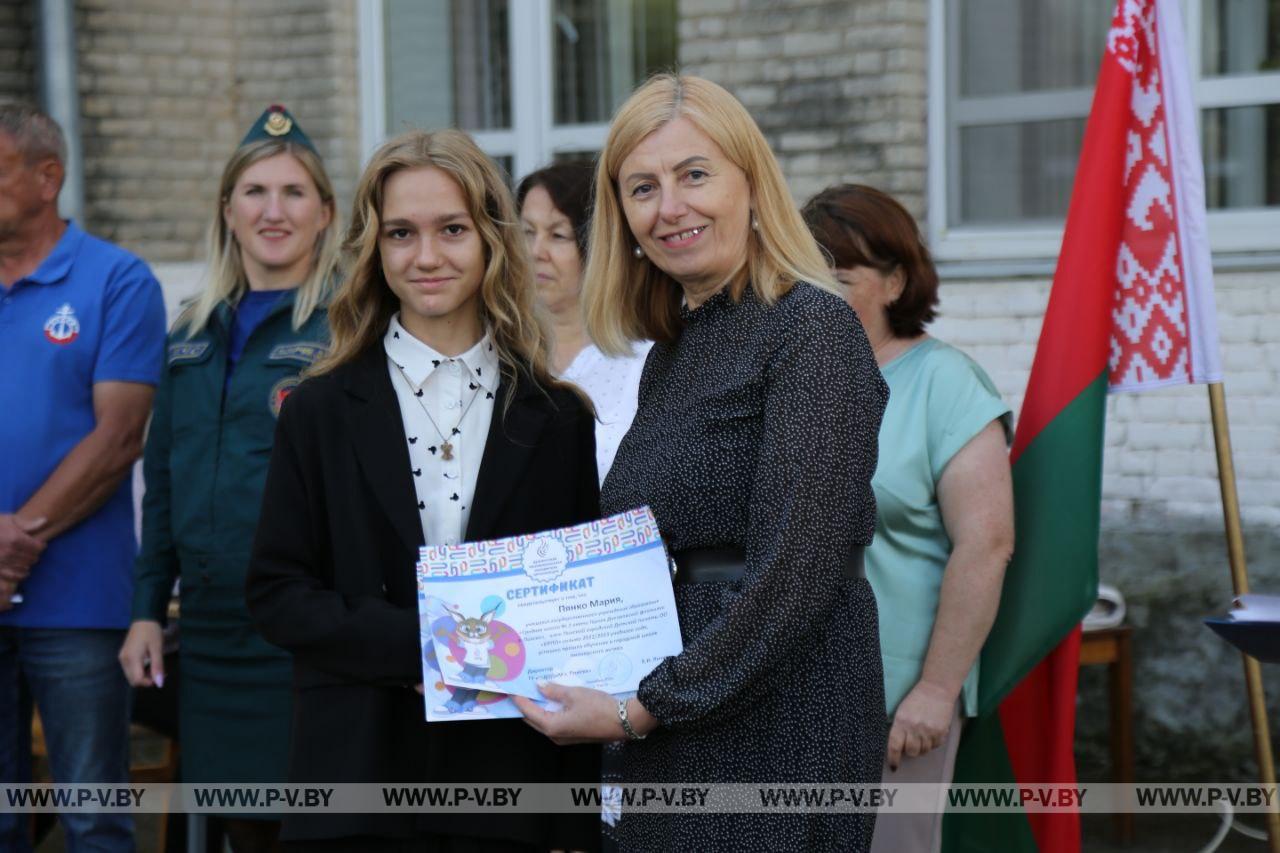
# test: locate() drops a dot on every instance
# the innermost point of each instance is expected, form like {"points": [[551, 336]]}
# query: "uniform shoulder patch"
{"points": [[187, 351], [306, 352], [279, 391]]}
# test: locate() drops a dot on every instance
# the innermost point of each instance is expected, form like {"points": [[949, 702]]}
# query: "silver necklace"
{"points": [[446, 446]]}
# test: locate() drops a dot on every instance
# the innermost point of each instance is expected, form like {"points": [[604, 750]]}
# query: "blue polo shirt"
{"points": [[90, 313]]}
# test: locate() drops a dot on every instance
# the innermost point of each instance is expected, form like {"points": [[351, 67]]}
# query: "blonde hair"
{"points": [[226, 280], [629, 299], [363, 307]]}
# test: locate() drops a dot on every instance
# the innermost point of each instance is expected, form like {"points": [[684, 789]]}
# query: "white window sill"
{"points": [[1238, 239], [1042, 268]]}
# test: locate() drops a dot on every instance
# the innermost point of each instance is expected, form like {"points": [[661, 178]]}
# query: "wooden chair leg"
{"points": [[165, 770], [1121, 690]]}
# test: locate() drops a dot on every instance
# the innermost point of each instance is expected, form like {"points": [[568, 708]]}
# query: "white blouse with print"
{"points": [[443, 399]]}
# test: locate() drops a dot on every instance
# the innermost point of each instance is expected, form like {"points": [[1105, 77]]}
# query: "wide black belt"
{"points": [[702, 565]]}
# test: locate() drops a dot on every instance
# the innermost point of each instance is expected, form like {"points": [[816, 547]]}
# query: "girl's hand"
{"points": [[585, 716]]}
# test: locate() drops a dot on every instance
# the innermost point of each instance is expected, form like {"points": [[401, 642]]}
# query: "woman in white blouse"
{"points": [[554, 211]]}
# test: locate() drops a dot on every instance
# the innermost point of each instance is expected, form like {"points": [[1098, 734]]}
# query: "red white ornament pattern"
{"points": [[1150, 337]]}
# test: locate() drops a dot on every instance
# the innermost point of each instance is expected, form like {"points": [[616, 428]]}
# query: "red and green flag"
{"points": [[1131, 308]]}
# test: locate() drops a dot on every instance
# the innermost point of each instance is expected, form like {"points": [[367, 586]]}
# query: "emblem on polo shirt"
{"points": [[279, 391], [62, 327]]}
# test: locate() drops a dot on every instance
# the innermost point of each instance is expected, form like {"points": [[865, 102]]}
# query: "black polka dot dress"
{"points": [[757, 428]]}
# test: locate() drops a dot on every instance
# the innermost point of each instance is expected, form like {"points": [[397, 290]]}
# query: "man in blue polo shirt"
{"points": [[81, 347]]}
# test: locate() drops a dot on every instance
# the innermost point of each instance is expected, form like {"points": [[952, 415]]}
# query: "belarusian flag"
{"points": [[1131, 308]]}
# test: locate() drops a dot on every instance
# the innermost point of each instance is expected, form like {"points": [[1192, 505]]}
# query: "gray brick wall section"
{"points": [[157, 91], [17, 51], [839, 88], [303, 53], [168, 88]]}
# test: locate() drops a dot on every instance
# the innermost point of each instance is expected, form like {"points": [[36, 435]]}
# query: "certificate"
{"points": [[589, 605]]}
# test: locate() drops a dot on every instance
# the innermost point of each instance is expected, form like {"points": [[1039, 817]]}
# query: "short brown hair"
{"points": [[569, 185], [860, 226]]}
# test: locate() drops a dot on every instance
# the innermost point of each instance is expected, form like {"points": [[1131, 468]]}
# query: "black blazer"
{"points": [[332, 581]]}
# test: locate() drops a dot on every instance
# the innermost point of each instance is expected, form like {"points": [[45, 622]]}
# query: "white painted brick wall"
{"points": [[1159, 450]]}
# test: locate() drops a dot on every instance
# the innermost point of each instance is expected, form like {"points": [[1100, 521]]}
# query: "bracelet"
{"points": [[631, 733]]}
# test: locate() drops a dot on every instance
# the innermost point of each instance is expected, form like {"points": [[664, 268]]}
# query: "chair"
{"points": [[1113, 647]]}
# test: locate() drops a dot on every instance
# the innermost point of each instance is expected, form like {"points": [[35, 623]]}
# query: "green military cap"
{"points": [[277, 123]]}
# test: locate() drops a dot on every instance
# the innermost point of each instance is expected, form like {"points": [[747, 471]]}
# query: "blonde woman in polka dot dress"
{"points": [[754, 444]]}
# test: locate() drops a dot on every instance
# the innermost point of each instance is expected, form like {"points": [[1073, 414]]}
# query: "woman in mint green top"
{"points": [[944, 501]]}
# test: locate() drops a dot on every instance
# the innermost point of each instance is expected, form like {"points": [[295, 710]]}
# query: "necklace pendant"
{"points": [[446, 452]]}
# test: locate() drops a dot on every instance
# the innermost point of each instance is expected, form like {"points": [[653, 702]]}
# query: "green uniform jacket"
{"points": [[205, 466]]}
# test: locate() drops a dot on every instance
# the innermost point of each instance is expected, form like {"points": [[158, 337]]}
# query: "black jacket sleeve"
{"points": [[290, 590]]}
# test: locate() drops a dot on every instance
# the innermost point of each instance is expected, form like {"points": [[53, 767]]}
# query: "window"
{"points": [[1241, 74], [1011, 83], [532, 80]]}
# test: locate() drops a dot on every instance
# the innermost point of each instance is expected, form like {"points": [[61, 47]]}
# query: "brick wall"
{"points": [[302, 53], [168, 87], [838, 88], [157, 103], [17, 51]]}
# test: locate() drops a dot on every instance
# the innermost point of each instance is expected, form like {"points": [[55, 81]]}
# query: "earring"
{"points": [[755, 223], [638, 252]]}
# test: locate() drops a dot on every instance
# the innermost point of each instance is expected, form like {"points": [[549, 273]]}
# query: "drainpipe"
{"points": [[60, 95]]}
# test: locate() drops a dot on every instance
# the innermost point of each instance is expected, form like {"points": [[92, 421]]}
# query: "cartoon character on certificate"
{"points": [[478, 650], [473, 636]]}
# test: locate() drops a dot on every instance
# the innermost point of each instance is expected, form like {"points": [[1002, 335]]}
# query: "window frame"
{"points": [[1230, 231], [534, 139]]}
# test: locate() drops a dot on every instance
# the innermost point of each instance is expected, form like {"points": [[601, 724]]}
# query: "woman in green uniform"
{"points": [[234, 354]]}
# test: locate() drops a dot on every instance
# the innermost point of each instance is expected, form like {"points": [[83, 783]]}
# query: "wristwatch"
{"points": [[631, 733]]}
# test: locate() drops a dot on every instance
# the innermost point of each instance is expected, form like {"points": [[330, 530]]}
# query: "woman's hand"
{"points": [[585, 716], [143, 649], [921, 722], [975, 495]]}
